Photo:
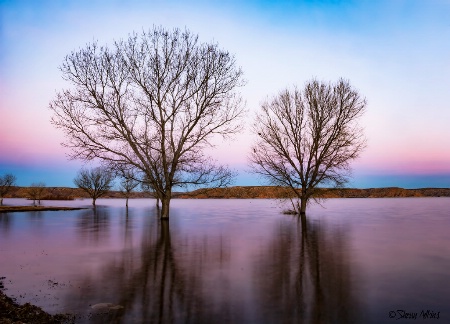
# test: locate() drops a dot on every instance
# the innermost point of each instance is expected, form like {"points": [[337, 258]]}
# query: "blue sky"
{"points": [[395, 52]]}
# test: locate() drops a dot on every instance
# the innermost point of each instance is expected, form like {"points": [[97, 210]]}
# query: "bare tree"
{"points": [[152, 102], [6, 182], [96, 182], [308, 138], [147, 186], [128, 183], [36, 191]]}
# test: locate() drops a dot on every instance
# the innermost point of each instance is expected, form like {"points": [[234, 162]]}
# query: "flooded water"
{"points": [[233, 261]]}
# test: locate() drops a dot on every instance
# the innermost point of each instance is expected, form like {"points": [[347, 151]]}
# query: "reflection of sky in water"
{"points": [[233, 260]]}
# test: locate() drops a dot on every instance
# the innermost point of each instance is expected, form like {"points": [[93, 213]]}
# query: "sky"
{"points": [[395, 52]]}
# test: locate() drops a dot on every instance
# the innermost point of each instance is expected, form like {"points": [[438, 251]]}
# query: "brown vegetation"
{"points": [[244, 192], [267, 192], [250, 192], [391, 192], [65, 193]]}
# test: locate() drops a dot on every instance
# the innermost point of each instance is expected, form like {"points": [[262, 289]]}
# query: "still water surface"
{"points": [[233, 261]]}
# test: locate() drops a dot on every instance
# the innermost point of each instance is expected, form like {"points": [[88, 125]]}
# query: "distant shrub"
{"points": [[290, 212]]}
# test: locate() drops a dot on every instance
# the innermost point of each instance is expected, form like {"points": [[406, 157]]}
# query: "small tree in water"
{"points": [[96, 182], [6, 182], [128, 183], [147, 187], [153, 103], [308, 138], [36, 191]]}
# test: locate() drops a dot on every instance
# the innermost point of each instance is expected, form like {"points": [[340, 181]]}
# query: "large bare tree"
{"points": [[6, 182], [152, 102], [96, 182], [307, 138]]}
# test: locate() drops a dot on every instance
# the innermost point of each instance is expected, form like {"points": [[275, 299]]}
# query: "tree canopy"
{"points": [[152, 103], [308, 137], [6, 182], [96, 182]]}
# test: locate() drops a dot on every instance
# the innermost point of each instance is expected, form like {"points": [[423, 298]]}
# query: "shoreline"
{"points": [[243, 192], [13, 312], [252, 192], [10, 209]]}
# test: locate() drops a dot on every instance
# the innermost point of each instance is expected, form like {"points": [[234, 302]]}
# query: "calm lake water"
{"points": [[233, 261]]}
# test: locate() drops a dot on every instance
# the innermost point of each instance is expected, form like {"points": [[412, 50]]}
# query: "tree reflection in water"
{"points": [[6, 220], [304, 276], [93, 225], [300, 273], [158, 282]]}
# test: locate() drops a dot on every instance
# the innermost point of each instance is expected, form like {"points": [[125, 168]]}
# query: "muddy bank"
{"points": [[8, 209], [12, 312]]}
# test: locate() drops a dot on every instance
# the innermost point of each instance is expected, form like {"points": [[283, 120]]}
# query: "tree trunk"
{"points": [[165, 201], [304, 227], [126, 203], [93, 202], [1, 201], [165, 234], [303, 201]]}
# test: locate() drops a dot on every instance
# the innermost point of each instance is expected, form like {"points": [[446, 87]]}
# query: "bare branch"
{"points": [[308, 138], [36, 191], [129, 181], [152, 102], [96, 182], [6, 182]]}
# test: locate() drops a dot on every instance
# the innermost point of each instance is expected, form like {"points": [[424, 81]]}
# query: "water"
{"points": [[233, 261]]}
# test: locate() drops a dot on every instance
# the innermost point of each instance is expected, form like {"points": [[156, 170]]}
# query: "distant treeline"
{"points": [[65, 193], [280, 192], [243, 192]]}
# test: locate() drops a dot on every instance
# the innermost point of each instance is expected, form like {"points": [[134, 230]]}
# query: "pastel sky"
{"points": [[395, 52]]}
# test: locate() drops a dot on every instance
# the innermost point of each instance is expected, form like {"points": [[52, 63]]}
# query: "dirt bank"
{"points": [[12, 312]]}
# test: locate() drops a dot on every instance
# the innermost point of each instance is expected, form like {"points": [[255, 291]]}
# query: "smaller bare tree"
{"points": [[128, 183], [6, 182], [146, 186], [308, 138], [36, 192], [96, 182]]}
